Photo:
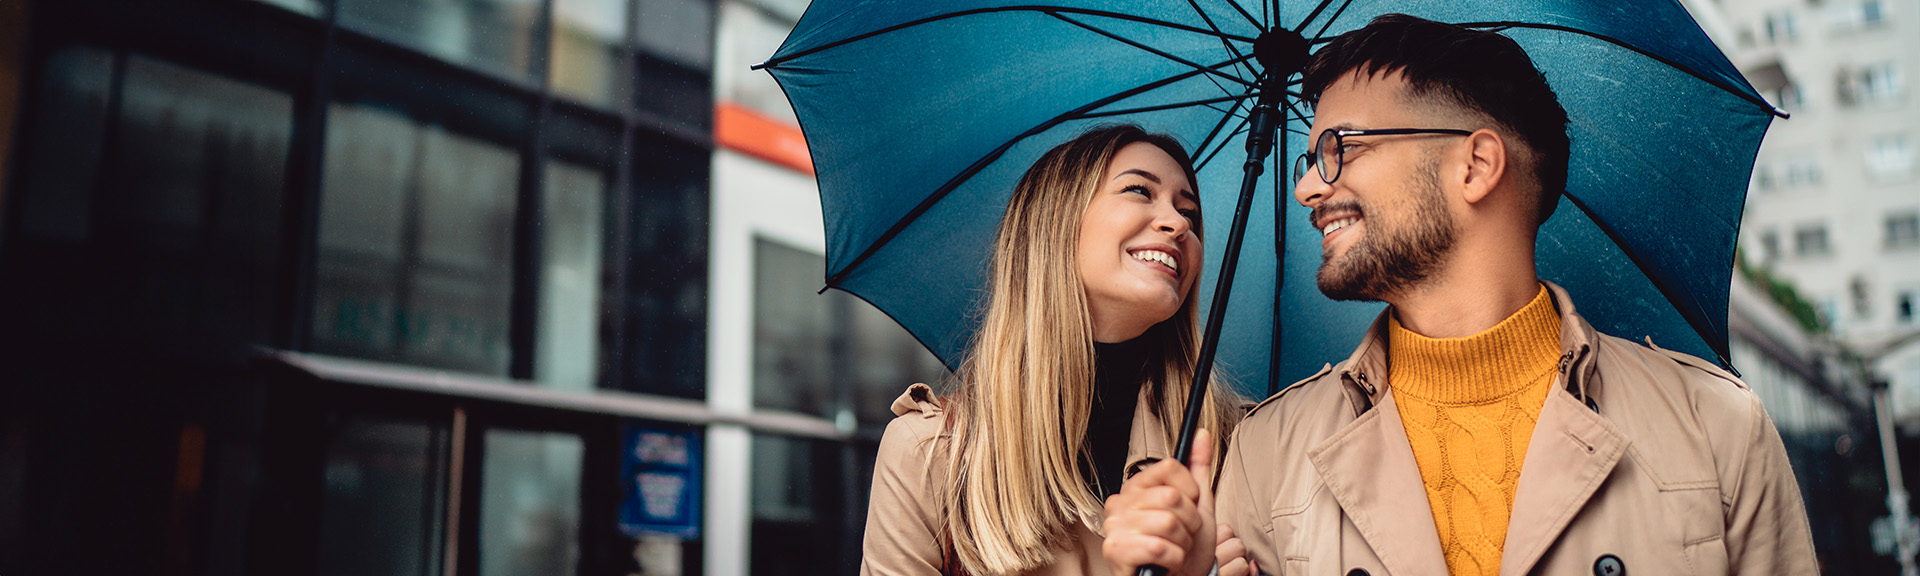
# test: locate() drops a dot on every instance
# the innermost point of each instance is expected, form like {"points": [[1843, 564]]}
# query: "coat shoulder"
{"points": [[1313, 403], [1702, 416]]}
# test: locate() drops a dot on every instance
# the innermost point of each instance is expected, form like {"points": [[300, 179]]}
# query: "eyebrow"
{"points": [[1184, 192], [1142, 173]]}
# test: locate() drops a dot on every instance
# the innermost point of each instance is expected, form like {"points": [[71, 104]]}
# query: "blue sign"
{"points": [[661, 476]]}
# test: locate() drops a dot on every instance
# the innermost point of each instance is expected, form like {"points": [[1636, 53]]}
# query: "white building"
{"points": [[1834, 207]]}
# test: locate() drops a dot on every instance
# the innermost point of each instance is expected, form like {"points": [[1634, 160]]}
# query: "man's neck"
{"points": [[1466, 299]]}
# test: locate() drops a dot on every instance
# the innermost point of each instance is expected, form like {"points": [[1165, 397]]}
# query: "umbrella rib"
{"points": [[1657, 58], [1243, 12], [777, 61], [1242, 129], [1311, 15], [1208, 141], [1158, 107], [1696, 321], [1163, 54], [987, 159], [1223, 37], [1331, 19]]}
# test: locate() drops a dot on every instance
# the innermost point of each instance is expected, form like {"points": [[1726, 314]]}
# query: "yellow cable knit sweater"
{"points": [[1469, 405]]}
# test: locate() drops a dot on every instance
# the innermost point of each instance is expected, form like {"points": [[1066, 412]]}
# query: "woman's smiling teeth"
{"points": [[1158, 257], [1337, 225]]}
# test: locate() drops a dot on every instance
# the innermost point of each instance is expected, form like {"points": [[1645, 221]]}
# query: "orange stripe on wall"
{"points": [[741, 129]]}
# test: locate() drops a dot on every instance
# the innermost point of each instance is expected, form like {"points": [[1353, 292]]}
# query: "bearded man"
{"points": [[1482, 427]]}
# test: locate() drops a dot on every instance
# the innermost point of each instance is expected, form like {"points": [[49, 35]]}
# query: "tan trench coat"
{"points": [[1643, 458], [903, 517]]}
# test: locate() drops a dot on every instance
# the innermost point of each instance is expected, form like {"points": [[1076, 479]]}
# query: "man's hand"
{"points": [[1163, 516], [1231, 554]]}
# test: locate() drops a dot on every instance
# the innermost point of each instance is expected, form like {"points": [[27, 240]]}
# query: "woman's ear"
{"points": [[1486, 164]]}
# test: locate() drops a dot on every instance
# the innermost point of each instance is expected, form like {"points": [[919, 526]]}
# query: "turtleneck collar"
{"points": [[1480, 368]]}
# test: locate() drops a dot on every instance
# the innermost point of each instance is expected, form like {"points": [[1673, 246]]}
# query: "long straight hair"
{"points": [[1018, 418]]}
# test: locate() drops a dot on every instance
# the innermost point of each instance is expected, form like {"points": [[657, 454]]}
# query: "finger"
{"points": [[1200, 462], [1236, 567], [1222, 533], [1230, 549], [1164, 473], [1127, 552]]}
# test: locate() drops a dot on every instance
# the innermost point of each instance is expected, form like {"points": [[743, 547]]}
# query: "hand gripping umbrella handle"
{"points": [[1259, 144]]}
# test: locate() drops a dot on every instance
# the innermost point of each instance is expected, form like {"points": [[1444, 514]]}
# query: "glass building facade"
{"points": [[349, 286]]}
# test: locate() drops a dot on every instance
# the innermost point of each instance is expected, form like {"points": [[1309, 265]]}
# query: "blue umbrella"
{"points": [[921, 116]]}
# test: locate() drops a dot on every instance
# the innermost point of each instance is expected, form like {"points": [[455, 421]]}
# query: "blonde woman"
{"points": [[1079, 373]]}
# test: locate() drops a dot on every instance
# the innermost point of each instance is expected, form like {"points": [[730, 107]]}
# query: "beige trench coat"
{"points": [[909, 477], [1646, 459]]}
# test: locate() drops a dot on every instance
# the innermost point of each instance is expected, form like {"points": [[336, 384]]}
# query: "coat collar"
{"points": [[1365, 373], [1370, 470]]}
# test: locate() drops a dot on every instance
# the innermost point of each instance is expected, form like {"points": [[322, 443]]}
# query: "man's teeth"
{"points": [[1336, 225], [1157, 256]]}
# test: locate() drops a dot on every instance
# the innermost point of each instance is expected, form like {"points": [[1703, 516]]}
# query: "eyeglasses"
{"points": [[1330, 153]]}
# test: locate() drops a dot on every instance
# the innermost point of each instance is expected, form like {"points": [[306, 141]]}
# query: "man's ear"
{"points": [[1486, 164]]}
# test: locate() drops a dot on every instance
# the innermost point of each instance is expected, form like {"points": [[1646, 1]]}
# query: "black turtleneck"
{"points": [[1119, 370]]}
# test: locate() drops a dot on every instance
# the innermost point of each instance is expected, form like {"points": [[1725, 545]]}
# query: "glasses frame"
{"points": [[1315, 158]]}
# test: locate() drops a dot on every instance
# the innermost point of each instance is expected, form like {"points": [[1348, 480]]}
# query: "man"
{"points": [[1482, 427]]}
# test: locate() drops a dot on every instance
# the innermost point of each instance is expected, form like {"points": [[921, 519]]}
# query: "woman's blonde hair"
{"points": [[1018, 417]]}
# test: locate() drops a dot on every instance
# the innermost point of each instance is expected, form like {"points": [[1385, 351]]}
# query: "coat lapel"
{"points": [[1147, 441], [1572, 452], [1370, 470]]}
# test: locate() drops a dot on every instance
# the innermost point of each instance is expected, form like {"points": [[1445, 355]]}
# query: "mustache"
{"points": [[1346, 206]]}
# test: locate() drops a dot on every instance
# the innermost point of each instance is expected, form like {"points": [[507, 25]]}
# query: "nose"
{"points": [[1309, 190], [1168, 219]]}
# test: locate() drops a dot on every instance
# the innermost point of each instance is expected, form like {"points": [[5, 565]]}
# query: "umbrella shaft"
{"points": [[1259, 144]]}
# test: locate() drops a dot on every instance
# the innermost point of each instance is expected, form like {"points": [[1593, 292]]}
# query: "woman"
{"points": [[1080, 371]]}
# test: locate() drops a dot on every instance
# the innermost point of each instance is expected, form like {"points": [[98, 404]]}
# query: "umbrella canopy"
{"points": [[921, 116]]}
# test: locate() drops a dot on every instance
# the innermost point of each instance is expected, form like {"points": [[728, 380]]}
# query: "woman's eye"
{"points": [[1141, 190], [1191, 214]]}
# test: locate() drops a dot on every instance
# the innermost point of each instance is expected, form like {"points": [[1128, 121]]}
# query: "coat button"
{"points": [[1358, 572], [1609, 565]]}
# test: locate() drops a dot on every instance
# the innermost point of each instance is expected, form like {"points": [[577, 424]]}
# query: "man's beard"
{"points": [[1389, 260]]}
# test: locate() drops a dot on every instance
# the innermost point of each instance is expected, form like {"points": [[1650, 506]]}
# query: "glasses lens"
{"points": [[1299, 166], [1329, 156]]}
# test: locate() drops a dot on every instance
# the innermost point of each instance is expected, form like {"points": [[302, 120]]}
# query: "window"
{"points": [[1891, 155], [530, 503], [587, 56], [821, 353], [569, 339], [1903, 307], [1862, 302], [1803, 172], [1872, 12], [1769, 245], [383, 498], [1789, 97], [1880, 82], [1780, 26], [1810, 240], [416, 243], [1763, 177], [803, 520], [1903, 231], [493, 35]]}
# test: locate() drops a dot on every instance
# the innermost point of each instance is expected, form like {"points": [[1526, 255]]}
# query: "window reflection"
{"points": [[380, 510], [569, 346], [587, 39], [821, 353], [494, 35], [530, 504], [416, 231], [802, 523]]}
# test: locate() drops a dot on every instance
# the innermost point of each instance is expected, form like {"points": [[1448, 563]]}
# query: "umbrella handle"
{"points": [[1259, 144]]}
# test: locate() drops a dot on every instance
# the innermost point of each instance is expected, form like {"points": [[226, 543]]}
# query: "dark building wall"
{"points": [[164, 212]]}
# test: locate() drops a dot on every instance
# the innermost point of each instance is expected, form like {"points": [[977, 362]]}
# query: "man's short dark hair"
{"points": [[1478, 70]]}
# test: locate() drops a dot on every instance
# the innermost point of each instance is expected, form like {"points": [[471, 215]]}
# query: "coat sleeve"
{"points": [[1767, 531], [903, 532]]}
